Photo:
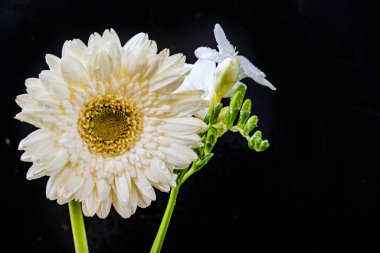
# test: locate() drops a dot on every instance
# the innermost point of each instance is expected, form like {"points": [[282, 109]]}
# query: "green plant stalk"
{"points": [[182, 177], [160, 237], [77, 226]]}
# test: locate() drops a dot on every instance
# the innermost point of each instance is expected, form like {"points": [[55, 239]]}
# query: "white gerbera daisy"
{"points": [[109, 124]]}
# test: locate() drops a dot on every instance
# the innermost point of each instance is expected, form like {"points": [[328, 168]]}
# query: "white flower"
{"points": [[201, 77], [226, 50], [109, 124]]}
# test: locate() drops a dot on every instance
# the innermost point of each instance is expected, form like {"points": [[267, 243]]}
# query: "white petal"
{"points": [[201, 77], [24, 100], [124, 210], [40, 152], [59, 162], [170, 73], [35, 172], [102, 66], [179, 155], [62, 201], [183, 125], [190, 140], [76, 49], [103, 189], [94, 44], [110, 36], [114, 53], [122, 189], [253, 72], [73, 72], [104, 208], [143, 201], [53, 62], [248, 67], [224, 45], [41, 118], [68, 183], [208, 54], [144, 186], [180, 104], [136, 41], [86, 189], [157, 172], [36, 137], [263, 81], [91, 204], [53, 82], [171, 62]]}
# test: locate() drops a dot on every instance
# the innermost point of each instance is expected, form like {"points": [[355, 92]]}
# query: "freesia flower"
{"points": [[201, 77], [110, 127], [226, 50]]}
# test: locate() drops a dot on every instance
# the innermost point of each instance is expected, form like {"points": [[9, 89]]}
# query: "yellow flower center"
{"points": [[110, 125]]}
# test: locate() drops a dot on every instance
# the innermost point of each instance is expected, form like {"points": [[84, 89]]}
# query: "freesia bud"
{"points": [[234, 108], [244, 113], [256, 143], [215, 113], [250, 125], [210, 140], [226, 75], [222, 113]]}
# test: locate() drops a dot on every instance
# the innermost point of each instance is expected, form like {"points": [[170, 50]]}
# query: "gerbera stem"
{"points": [[160, 237], [77, 226]]}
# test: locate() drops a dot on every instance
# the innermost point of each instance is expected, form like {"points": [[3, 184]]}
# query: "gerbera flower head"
{"points": [[110, 127]]}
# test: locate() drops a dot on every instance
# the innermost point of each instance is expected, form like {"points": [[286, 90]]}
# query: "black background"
{"points": [[316, 188]]}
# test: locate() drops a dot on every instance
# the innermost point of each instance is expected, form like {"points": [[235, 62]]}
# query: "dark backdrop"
{"points": [[318, 182]]}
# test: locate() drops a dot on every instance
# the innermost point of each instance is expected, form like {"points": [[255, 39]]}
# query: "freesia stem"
{"points": [[77, 226], [157, 245]]}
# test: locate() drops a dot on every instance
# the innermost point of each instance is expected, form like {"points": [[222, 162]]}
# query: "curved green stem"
{"points": [[160, 237], [77, 226]]}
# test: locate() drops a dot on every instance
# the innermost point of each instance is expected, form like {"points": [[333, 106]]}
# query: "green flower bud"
{"points": [[207, 119], [226, 75], [215, 113], [256, 143], [263, 146], [244, 113], [222, 114], [257, 135], [210, 140], [250, 125], [237, 100]]}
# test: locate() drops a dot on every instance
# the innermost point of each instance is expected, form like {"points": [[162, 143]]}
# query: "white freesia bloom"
{"points": [[226, 50], [201, 77], [109, 124]]}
